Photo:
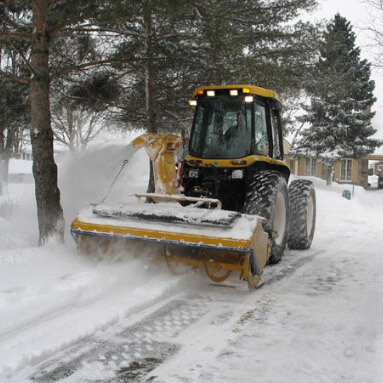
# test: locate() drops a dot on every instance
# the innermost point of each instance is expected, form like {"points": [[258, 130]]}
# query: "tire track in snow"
{"points": [[129, 354]]}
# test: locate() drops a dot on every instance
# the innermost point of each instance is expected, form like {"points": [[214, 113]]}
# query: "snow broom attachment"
{"points": [[178, 229], [221, 241]]}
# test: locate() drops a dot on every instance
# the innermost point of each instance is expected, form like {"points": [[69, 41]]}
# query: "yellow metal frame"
{"points": [[160, 235], [162, 150], [228, 163]]}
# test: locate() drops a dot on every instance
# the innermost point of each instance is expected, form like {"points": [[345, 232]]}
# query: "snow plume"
{"points": [[86, 177]]}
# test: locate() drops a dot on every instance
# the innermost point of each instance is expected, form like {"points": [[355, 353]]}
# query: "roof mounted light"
{"points": [[245, 90], [200, 92], [249, 99], [233, 92], [193, 102], [210, 93]]}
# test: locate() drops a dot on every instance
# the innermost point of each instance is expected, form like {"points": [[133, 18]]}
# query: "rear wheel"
{"points": [[267, 197], [302, 214]]}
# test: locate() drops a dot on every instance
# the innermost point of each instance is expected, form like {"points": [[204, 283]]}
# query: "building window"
{"points": [[346, 170], [311, 167]]}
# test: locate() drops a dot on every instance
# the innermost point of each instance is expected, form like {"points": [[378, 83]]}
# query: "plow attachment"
{"points": [[220, 241]]}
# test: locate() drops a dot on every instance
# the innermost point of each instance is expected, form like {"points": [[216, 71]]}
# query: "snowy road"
{"points": [[301, 325], [195, 321], [318, 316]]}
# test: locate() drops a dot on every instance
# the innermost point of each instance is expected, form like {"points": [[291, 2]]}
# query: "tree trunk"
{"points": [[71, 130], [3, 183], [149, 75], [329, 175], [4, 171], [6, 150], [2, 186], [49, 211], [149, 83]]}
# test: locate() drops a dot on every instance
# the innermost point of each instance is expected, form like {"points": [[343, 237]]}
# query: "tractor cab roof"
{"points": [[237, 90]]}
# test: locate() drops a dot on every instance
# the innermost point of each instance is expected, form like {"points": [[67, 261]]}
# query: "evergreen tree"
{"points": [[339, 116], [204, 42], [154, 51], [256, 42], [33, 28]]}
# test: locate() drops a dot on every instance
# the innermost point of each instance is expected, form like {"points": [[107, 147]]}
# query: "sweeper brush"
{"points": [[218, 240], [226, 207]]}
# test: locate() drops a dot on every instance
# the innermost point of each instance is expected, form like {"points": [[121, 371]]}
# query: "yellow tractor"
{"points": [[227, 207]]}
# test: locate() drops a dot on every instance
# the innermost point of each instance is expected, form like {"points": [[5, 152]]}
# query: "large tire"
{"points": [[267, 197], [302, 214]]}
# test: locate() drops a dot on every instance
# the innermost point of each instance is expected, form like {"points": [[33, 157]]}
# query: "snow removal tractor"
{"points": [[226, 206]]}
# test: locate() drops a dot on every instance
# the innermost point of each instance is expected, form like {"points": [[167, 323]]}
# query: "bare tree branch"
{"points": [[15, 36], [15, 78], [26, 61], [89, 65]]}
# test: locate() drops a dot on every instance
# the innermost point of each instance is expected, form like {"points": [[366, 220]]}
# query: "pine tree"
{"points": [[256, 42], [339, 116], [32, 29], [204, 42], [156, 48]]}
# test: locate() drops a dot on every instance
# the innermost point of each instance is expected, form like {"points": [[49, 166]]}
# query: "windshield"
{"points": [[222, 128]]}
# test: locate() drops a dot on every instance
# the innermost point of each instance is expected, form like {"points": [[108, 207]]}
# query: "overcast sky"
{"points": [[356, 11]]}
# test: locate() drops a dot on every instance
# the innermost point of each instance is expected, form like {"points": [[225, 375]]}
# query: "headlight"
{"points": [[237, 174], [193, 173]]}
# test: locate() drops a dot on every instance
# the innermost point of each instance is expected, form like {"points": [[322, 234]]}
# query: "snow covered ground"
{"points": [[318, 317]]}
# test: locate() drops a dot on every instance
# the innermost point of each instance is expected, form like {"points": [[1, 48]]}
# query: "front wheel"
{"points": [[302, 214], [267, 197]]}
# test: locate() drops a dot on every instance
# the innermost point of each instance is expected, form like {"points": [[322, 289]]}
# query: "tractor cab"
{"points": [[237, 121]]}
